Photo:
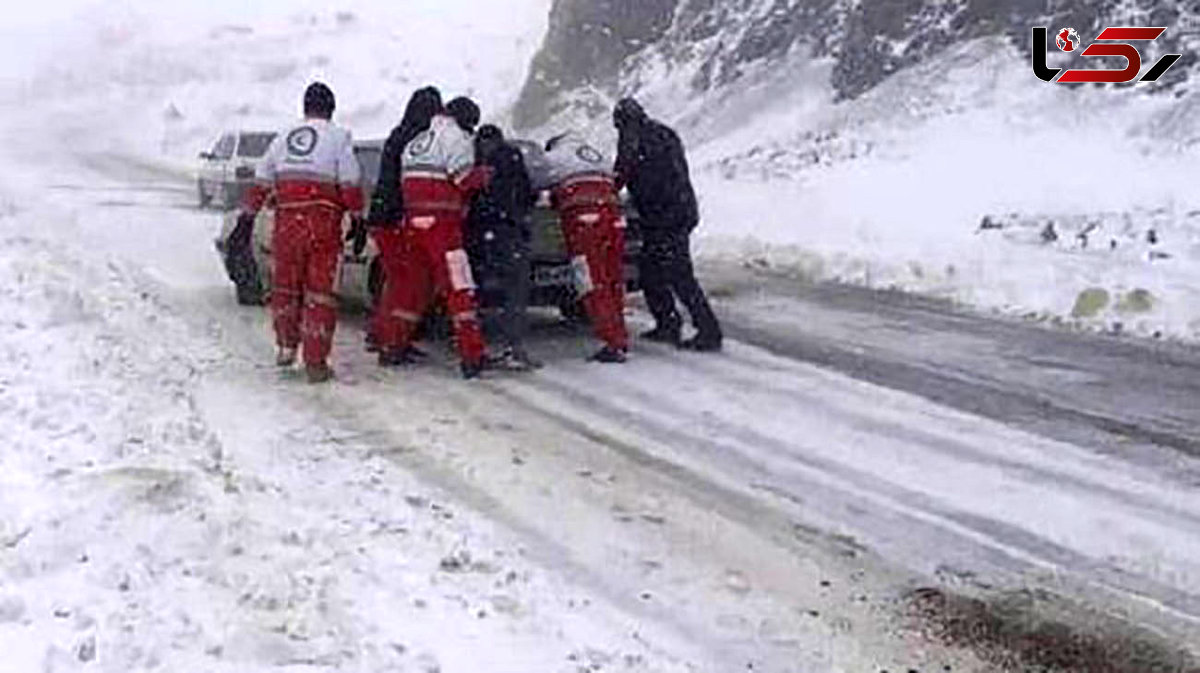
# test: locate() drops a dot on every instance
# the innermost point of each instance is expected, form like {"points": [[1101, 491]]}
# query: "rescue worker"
{"points": [[585, 196], [385, 218], [651, 162], [311, 173], [465, 112], [499, 233], [438, 177]]}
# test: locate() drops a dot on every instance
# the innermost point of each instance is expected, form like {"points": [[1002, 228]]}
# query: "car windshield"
{"points": [[254, 145]]}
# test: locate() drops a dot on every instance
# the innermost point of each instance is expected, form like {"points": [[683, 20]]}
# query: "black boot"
{"points": [[663, 335], [394, 358], [471, 370], [512, 360], [319, 373], [285, 357], [703, 343], [608, 355]]}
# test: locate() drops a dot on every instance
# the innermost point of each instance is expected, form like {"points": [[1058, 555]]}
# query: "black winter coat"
{"points": [[387, 205], [651, 161], [504, 206]]}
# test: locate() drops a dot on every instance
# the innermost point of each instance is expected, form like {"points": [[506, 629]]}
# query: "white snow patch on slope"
{"points": [[890, 191], [165, 80]]}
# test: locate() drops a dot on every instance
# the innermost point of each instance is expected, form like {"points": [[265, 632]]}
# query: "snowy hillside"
{"points": [[598, 47], [951, 171], [164, 83]]}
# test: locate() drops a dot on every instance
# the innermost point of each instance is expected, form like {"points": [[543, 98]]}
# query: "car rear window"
{"points": [[254, 145]]}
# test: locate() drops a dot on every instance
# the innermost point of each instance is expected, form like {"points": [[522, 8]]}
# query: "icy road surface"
{"points": [[168, 500]]}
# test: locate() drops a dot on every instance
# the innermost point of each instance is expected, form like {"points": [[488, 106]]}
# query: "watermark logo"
{"points": [[1113, 41], [1067, 39]]}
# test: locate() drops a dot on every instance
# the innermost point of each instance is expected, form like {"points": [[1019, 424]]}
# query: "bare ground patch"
{"points": [[1031, 631]]}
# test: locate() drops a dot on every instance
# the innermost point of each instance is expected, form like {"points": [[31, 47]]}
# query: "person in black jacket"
{"points": [[651, 162], [498, 235], [387, 211]]}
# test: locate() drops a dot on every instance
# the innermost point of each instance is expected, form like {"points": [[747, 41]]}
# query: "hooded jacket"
{"points": [[652, 163]]}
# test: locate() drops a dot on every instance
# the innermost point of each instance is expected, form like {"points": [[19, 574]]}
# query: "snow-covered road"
{"points": [[169, 500]]}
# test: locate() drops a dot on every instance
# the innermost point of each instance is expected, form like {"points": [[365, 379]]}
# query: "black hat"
{"points": [[628, 113], [319, 101], [489, 132], [488, 139], [465, 112]]}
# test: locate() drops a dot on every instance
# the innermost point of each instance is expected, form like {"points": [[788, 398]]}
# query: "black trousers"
{"points": [[667, 274], [504, 267]]}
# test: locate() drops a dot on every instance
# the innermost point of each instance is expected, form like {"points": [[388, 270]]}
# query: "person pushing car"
{"points": [[584, 194], [651, 162], [438, 175], [499, 234], [385, 220]]}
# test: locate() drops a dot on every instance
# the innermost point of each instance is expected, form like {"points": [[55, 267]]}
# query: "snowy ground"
{"points": [[169, 501]]}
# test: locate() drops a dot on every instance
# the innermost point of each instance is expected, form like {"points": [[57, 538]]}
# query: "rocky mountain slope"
{"points": [[595, 50]]}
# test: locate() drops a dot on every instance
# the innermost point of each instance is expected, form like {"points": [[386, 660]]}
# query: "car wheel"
{"points": [[205, 197]]}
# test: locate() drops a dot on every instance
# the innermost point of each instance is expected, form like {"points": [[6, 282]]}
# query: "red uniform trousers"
{"points": [[430, 263], [388, 242], [595, 238], [307, 246]]}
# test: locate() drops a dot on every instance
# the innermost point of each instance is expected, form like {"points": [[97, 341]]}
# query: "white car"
{"points": [[228, 168]]}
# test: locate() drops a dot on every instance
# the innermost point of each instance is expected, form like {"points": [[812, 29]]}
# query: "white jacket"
{"points": [[313, 160], [572, 157]]}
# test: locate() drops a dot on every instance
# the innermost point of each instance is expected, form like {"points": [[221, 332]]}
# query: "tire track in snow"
{"points": [[1147, 501], [816, 483], [351, 408], [1074, 412]]}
